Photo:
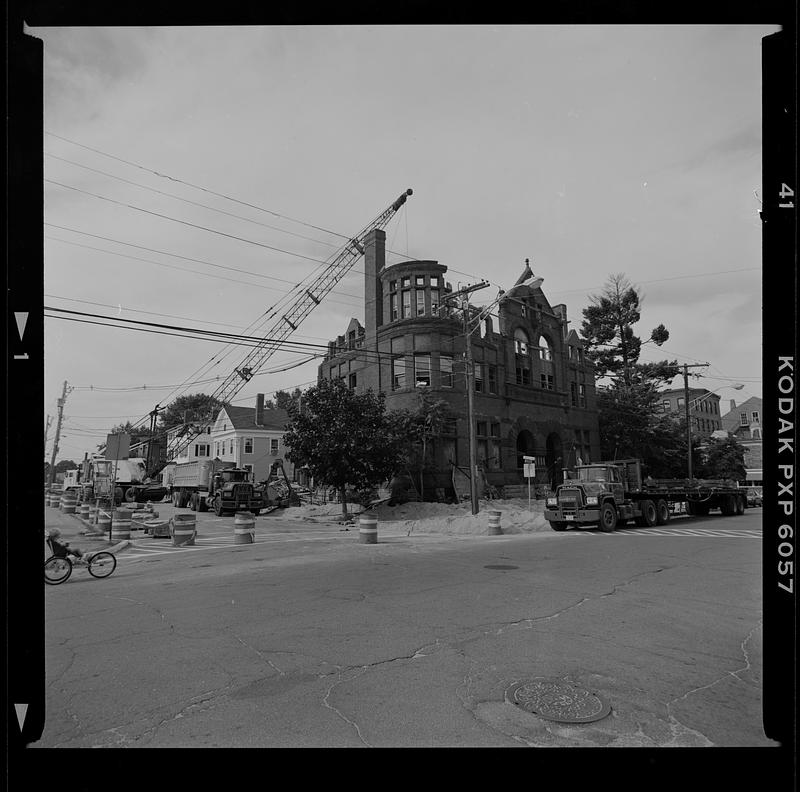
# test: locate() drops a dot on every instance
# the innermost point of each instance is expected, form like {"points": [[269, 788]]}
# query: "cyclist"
{"points": [[62, 549]]}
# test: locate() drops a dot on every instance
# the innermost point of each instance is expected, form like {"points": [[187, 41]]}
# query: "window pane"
{"points": [[434, 301], [446, 370], [398, 373], [422, 370], [420, 302], [406, 304], [492, 379], [393, 305], [419, 280], [479, 377]]}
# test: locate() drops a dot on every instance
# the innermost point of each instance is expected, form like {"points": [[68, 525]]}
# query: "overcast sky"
{"points": [[589, 150]]}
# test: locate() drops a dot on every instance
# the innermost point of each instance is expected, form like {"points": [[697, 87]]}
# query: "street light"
{"points": [[695, 402]]}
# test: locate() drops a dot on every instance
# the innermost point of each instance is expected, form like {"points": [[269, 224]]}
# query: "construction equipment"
{"points": [[277, 488], [308, 296], [611, 493], [127, 477], [212, 484]]}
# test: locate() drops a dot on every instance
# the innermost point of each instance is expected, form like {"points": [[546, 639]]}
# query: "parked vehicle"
{"points": [[127, 477], [212, 484], [611, 493], [755, 496]]}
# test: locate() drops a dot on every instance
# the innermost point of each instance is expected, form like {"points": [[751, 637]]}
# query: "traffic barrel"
{"points": [[69, 502], [120, 525], [183, 529], [83, 511], [494, 523], [103, 520], [244, 528], [368, 530], [157, 528]]}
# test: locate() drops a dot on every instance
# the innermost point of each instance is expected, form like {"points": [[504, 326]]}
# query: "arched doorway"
{"points": [[525, 447], [554, 459]]}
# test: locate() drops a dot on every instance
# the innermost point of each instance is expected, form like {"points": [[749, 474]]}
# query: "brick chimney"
{"points": [[733, 404], [259, 420], [374, 262]]}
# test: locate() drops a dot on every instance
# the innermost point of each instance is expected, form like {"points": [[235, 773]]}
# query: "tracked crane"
{"points": [[309, 296]]}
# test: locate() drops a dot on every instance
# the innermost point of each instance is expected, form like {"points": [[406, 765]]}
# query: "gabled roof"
{"points": [[244, 418]]}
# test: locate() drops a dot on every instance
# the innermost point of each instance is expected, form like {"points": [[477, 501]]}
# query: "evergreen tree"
{"points": [[611, 344], [345, 439]]}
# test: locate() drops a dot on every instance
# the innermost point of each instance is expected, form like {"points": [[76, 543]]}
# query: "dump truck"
{"points": [[212, 484], [608, 494]]}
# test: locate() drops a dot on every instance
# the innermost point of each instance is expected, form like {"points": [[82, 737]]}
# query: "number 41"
{"points": [[786, 192]]}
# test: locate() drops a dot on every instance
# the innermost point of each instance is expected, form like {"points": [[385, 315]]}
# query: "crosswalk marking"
{"points": [[747, 533]]}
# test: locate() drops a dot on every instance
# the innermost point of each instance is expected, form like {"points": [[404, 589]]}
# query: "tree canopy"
{"points": [[283, 399], [612, 345], [632, 425], [344, 438], [192, 408], [723, 458]]}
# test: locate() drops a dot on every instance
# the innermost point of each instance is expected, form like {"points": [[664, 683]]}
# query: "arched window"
{"points": [[522, 356], [547, 375], [545, 351], [520, 341]]}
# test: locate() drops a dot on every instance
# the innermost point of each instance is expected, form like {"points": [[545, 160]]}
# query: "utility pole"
{"points": [[151, 439], [470, 381], [58, 434], [686, 368]]}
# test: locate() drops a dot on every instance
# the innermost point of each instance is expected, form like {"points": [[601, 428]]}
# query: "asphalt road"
{"points": [[308, 638]]}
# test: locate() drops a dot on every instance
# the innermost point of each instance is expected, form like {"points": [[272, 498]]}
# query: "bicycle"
{"points": [[57, 569]]}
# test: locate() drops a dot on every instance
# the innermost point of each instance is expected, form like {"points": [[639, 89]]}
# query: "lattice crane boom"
{"points": [[309, 297]]}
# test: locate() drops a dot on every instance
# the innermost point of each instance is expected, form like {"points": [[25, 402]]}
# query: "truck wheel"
{"points": [[193, 501], [174, 499], [662, 512], [740, 506], [727, 505], [608, 518], [202, 506], [218, 506], [130, 495], [558, 526], [649, 514]]}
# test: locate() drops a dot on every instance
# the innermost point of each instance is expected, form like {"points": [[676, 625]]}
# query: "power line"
{"points": [[193, 203], [174, 255], [186, 222]]}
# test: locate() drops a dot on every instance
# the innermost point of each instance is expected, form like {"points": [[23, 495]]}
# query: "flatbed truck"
{"points": [[608, 494]]}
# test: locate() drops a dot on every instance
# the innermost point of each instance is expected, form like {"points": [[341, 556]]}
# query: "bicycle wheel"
{"points": [[57, 570], [102, 564]]}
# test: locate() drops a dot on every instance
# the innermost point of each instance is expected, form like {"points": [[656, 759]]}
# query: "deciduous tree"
{"points": [[723, 458], [344, 438]]}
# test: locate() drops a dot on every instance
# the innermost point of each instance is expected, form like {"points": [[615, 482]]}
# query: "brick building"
{"points": [[703, 408], [744, 423], [534, 389]]}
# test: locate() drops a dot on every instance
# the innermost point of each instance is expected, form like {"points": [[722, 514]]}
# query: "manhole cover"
{"points": [[558, 701], [500, 566]]}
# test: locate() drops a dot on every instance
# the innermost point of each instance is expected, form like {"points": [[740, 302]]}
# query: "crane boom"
{"points": [[309, 297]]}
